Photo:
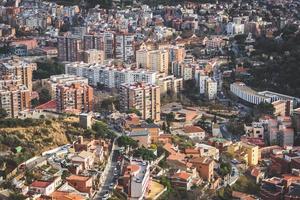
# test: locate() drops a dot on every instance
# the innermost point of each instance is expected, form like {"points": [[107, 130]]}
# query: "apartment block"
{"points": [[93, 56], [14, 99], [124, 49], [143, 97], [205, 167], [245, 152], [18, 69], [247, 94], [65, 79], [211, 89], [170, 84], [74, 98], [110, 76], [156, 60], [70, 48]]}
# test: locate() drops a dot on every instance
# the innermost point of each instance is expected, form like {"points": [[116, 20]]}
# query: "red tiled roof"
{"points": [[50, 105], [40, 184], [182, 175], [78, 178], [133, 168], [192, 129]]}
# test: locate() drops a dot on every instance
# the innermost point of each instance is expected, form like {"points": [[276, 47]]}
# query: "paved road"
{"points": [[108, 173]]}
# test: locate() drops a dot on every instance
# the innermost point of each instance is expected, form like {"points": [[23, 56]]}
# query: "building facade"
{"points": [[143, 97]]}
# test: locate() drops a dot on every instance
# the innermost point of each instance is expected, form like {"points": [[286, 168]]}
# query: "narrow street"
{"points": [[108, 173]]}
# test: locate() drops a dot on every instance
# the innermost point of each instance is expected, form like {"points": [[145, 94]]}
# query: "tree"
{"points": [[3, 113], [265, 108], [170, 117], [102, 130], [125, 141], [44, 96], [134, 110], [225, 168], [47, 68], [34, 102], [144, 153], [15, 196], [149, 121]]}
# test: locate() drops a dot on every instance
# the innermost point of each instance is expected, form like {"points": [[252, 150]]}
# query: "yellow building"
{"points": [[156, 60], [244, 152]]}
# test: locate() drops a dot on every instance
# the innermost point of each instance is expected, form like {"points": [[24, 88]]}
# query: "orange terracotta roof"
{"points": [[78, 178], [191, 151], [182, 175], [192, 129], [50, 105], [59, 195], [133, 168], [40, 184]]}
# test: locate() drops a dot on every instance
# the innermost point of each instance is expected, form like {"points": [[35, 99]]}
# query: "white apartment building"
{"points": [[65, 79], [111, 77], [202, 82], [211, 89], [246, 93]]}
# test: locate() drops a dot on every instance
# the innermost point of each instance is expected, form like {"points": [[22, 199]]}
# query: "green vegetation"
{"points": [[133, 110], [14, 122], [47, 68], [225, 193], [182, 141], [125, 141], [225, 168], [44, 95], [144, 153], [3, 113], [246, 184], [98, 130], [281, 63], [265, 108], [235, 127]]}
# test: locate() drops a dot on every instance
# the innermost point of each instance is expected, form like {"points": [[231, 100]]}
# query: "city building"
{"points": [[208, 151], [245, 152], [194, 132], [156, 60], [64, 79], [247, 94], [15, 99], [136, 179], [211, 89], [43, 187], [74, 98], [170, 84], [70, 48], [143, 97], [110, 77], [255, 130], [141, 136], [272, 189], [124, 47], [93, 56], [18, 68], [85, 120], [83, 184], [204, 166]]}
